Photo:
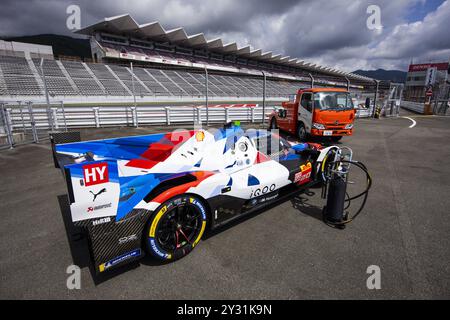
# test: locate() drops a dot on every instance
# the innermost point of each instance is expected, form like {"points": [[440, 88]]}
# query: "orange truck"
{"points": [[325, 112]]}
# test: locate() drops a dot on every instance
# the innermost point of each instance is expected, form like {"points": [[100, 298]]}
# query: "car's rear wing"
{"points": [[62, 137]]}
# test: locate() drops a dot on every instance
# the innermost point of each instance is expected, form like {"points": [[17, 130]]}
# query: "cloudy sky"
{"points": [[332, 33]]}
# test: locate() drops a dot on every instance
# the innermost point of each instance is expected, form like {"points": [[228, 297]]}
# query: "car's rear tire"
{"points": [[301, 132], [176, 227]]}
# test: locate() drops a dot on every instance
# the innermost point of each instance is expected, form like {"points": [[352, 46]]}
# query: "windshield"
{"points": [[332, 101]]}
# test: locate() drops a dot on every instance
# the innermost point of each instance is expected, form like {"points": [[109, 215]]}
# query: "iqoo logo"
{"points": [[264, 190]]}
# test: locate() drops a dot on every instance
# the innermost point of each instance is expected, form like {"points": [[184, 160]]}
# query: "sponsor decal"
{"points": [[128, 239], [200, 206], [119, 259], [157, 251], [260, 191], [268, 198], [95, 195], [96, 173], [305, 173], [200, 136], [101, 221], [102, 206]]}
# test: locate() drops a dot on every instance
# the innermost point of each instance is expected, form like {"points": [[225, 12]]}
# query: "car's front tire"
{"points": [[301, 132], [176, 227]]}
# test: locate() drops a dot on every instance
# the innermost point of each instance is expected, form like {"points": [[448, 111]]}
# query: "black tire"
{"points": [[175, 228], [301, 132], [273, 124], [336, 138]]}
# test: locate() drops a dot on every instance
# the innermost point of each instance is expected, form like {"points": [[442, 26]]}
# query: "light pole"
{"points": [[375, 97], [132, 83], [47, 98], [264, 98], [206, 96]]}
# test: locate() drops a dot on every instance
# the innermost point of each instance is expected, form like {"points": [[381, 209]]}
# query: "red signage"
{"points": [[425, 66], [96, 173]]}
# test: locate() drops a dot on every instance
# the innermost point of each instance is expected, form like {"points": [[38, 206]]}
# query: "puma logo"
{"points": [[97, 194]]}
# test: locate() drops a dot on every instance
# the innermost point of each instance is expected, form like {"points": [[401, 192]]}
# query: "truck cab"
{"points": [[327, 112]]}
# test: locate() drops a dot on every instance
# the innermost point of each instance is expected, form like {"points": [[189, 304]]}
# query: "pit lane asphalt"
{"points": [[283, 253]]}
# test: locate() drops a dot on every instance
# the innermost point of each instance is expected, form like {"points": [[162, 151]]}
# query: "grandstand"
{"points": [[165, 65]]}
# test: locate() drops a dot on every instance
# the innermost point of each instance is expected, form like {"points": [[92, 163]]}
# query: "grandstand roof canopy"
{"points": [[153, 31]]}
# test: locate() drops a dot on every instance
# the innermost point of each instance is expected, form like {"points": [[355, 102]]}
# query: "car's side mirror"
{"points": [[282, 113], [309, 105]]}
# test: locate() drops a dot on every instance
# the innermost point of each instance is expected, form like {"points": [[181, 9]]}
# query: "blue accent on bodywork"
{"points": [[289, 156], [231, 165], [252, 180], [142, 185], [120, 148], [198, 163], [230, 182], [300, 147]]}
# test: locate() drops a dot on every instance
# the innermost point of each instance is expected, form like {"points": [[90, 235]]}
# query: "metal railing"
{"points": [[418, 107], [26, 123], [30, 122], [441, 107], [364, 112]]}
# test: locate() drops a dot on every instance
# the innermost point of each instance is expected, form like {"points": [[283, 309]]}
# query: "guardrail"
{"points": [[364, 113], [25, 123], [31, 123], [441, 107], [413, 106]]}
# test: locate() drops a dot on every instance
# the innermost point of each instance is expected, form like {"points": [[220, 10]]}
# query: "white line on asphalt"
{"points": [[413, 122]]}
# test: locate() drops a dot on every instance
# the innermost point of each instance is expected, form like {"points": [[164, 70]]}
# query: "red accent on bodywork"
{"points": [[316, 146], [158, 152], [141, 163], [261, 157], [200, 175]]}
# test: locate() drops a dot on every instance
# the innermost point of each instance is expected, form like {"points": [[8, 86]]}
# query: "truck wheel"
{"points": [[175, 228], [301, 132], [336, 138], [273, 124]]}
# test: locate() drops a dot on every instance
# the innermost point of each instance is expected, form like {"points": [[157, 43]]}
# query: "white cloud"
{"points": [[333, 33]]}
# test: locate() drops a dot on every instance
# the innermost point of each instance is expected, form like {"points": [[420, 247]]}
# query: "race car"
{"points": [[158, 193]]}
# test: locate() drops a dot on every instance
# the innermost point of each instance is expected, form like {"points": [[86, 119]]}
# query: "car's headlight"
{"points": [[318, 126], [349, 126]]}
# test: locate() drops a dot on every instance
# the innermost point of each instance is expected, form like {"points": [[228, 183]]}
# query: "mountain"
{"points": [[62, 45], [381, 74]]}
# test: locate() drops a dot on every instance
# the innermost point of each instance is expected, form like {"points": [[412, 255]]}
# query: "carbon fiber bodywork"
{"points": [[110, 239]]}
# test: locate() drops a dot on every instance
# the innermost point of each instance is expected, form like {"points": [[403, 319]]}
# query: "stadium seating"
{"points": [[85, 82], [57, 83], [112, 86], [20, 76]]}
